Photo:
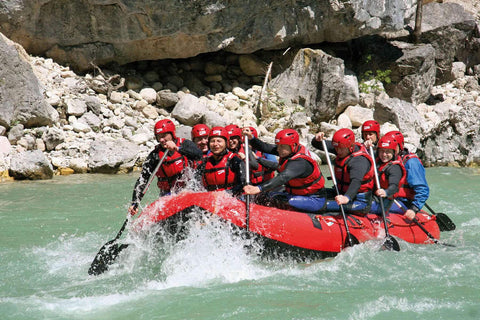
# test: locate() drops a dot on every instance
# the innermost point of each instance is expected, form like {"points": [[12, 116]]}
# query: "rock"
{"points": [[149, 95], [111, 156], [349, 95], [32, 165], [65, 171], [79, 165], [413, 74], [189, 110], [76, 107], [166, 99], [313, 80], [251, 65], [446, 26], [15, 133], [21, 97], [5, 146], [358, 115], [150, 112], [53, 137], [69, 32]]}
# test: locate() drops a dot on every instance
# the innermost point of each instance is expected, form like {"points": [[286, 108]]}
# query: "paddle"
{"points": [[247, 180], [351, 239], [425, 230], [444, 222], [110, 250], [390, 242]]}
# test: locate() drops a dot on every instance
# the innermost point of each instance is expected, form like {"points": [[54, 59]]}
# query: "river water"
{"points": [[51, 230]]}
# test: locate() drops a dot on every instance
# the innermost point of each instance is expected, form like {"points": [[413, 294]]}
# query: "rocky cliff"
{"points": [[83, 31]]}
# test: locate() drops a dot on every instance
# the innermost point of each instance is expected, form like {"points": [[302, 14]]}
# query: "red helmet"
{"points": [[398, 136], [234, 131], [344, 138], [387, 142], [218, 132], [371, 126], [287, 136], [200, 130], [164, 126], [254, 132]]}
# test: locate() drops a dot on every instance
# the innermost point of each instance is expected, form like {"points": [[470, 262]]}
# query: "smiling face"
{"points": [[234, 143], [385, 155], [217, 145], [202, 143]]}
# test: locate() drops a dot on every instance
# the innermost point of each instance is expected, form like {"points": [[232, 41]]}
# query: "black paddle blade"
{"points": [[350, 242], [105, 257], [444, 222], [390, 244]]}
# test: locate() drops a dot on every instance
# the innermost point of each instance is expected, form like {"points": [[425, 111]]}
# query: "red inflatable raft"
{"points": [[317, 233]]}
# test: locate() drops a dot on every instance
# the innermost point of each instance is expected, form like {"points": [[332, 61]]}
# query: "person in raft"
{"points": [[353, 172], [199, 135], [391, 173], [222, 169], [262, 165], [299, 173], [370, 134], [415, 192], [181, 153]]}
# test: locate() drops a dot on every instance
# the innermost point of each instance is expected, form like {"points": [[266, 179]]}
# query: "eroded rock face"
{"points": [[21, 97], [78, 32]]}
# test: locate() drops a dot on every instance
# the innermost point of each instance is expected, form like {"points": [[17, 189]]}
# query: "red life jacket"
{"points": [[343, 177], [171, 168], [303, 186], [384, 180], [219, 176], [261, 174], [406, 191]]}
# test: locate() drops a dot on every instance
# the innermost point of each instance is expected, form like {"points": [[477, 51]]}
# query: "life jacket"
{"points": [[343, 177], [171, 168], [303, 186], [261, 174], [382, 177], [406, 191], [219, 176]]}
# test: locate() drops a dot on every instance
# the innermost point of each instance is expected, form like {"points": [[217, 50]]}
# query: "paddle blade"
{"points": [[105, 257], [390, 244], [444, 222], [350, 242]]}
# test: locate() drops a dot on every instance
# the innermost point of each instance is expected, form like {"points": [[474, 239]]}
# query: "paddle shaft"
{"points": [[247, 181], [110, 250], [423, 228], [334, 180], [377, 183]]}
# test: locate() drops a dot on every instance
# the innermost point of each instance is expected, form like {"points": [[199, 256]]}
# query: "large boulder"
{"points": [[84, 31], [314, 80], [32, 165], [413, 74], [455, 140], [450, 29], [21, 99], [112, 156]]}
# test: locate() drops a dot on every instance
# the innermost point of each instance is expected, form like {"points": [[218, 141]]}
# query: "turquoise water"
{"points": [[51, 230]]}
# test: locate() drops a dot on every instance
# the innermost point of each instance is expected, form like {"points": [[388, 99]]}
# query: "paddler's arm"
{"points": [[293, 169], [189, 149], [147, 169], [238, 166]]}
